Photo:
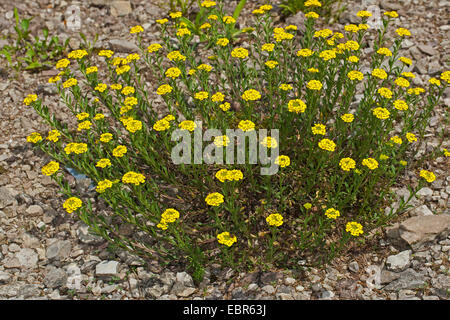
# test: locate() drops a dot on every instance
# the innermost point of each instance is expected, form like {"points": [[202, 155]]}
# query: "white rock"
{"points": [[28, 258], [107, 268], [425, 192], [399, 262]]}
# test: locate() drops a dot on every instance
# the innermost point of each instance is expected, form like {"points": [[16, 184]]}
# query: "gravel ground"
{"points": [[43, 249]]}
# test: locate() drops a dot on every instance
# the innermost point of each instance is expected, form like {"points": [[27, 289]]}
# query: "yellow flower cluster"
{"points": [[50, 168], [217, 97], [72, 204], [297, 106], [136, 29], [354, 228], [402, 82], [173, 73], [271, 64], [202, 95], [385, 52], [106, 53], [285, 87], [176, 56], [305, 53], [53, 135], [269, 142], [283, 161], [103, 163], [427, 175], [214, 199], [187, 125], [251, 95], [348, 117], [154, 47], [70, 83], [30, 99], [231, 175], [314, 85], [240, 53], [103, 185], [119, 151], [77, 54], [355, 75], [385, 92], [327, 144], [221, 141], [347, 164], [62, 64], [77, 148], [275, 219], [268, 47], [222, 42], [379, 73], [370, 163], [246, 125], [319, 129], [164, 89], [106, 137], [226, 238], [332, 213], [133, 177]]}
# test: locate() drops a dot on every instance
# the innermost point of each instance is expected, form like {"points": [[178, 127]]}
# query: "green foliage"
{"points": [[32, 53], [291, 7]]}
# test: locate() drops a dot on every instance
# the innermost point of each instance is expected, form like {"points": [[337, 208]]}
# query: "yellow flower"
{"points": [[161, 125], [385, 92], [119, 151], [225, 106], [228, 20], [77, 54], [162, 21], [246, 125], [106, 137], [411, 137], [202, 95], [379, 73], [271, 64], [297, 106], [313, 3], [214, 199], [82, 116], [402, 82], [434, 81], [312, 15], [70, 83], [123, 69], [217, 97], [383, 157], [35, 137], [136, 29], [164, 89], [251, 95], [103, 185], [50, 168], [400, 105], [354, 228], [133, 125], [85, 125], [283, 161], [307, 206], [355, 75], [72, 204], [351, 45], [154, 47], [327, 144], [396, 139], [403, 32], [173, 73], [364, 14], [170, 215], [162, 225], [370, 163], [103, 163], [319, 129], [101, 87], [106, 53], [381, 113], [327, 55], [127, 91], [222, 42], [116, 86], [305, 53], [391, 14], [353, 59], [275, 220], [54, 79], [332, 213], [408, 75], [405, 60], [285, 87], [351, 28], [445, 76], [221, 141], [268, 47], [183, 32], [347, 164], [91, 70], [313, 70], [53, 135], [416, 91], [133, 177], [205, 26], [403, 162], [204, 67], [348, 117], [385, 52], [266, 7], [314, 85], [222, 175], [269, 142], [213, 17], [175, 15], [63, 63], [240, 53], [427, 175], [187, 125], [226, 238], [30, 99]]}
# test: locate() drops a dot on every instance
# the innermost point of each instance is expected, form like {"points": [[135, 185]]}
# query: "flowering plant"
{"points": [[338, 156]]}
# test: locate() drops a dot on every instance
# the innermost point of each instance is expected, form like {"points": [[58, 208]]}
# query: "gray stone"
{"points": [[85, 236], [185, 279], [107, 268], [29, 290], [121, 45], [427, 49], [271, 277], [399, 262], [27, 258], [6, 197], [5, 277], [268, 289], [34, 210], [327, 294], [55, 278], [59, 250], [388, 276], [353, 266], [289, 281], [425, 192], [418, 231], [409, 279], [120, 8], [434, 68], [441, 281], [182, 291], [422, 211], [284, 296]]}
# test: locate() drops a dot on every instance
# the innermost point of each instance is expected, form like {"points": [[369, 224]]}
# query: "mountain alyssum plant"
{"points": [[338, 157]]}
